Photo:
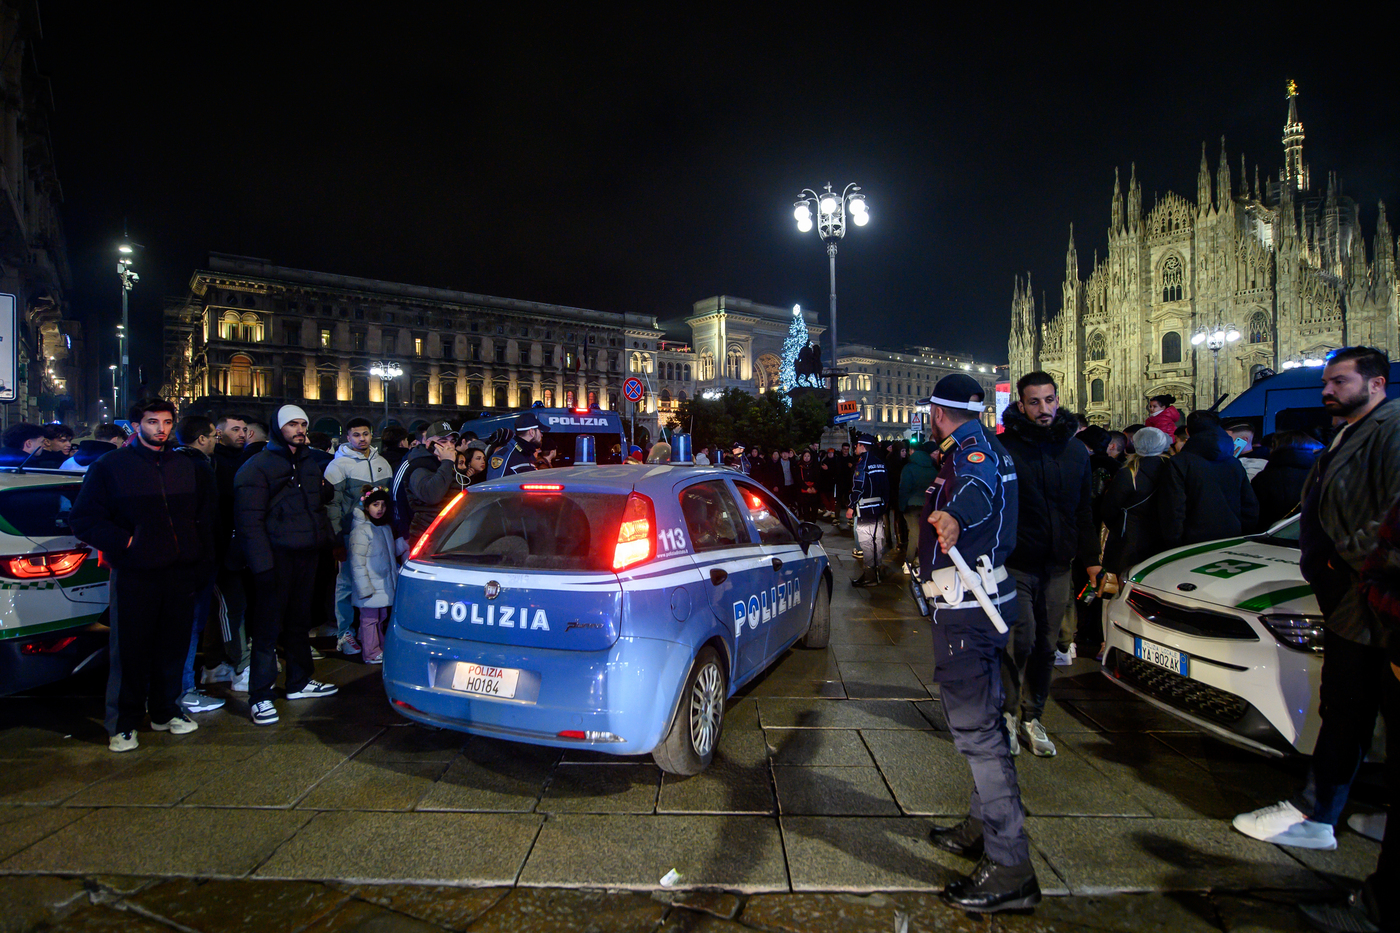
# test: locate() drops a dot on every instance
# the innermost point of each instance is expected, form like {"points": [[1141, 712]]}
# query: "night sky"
{"points": [[640, 164]]}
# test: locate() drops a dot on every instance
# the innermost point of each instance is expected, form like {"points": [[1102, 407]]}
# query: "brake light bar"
{"points": [[423, 539], [636, 536], [43, 566], [542, 487]]}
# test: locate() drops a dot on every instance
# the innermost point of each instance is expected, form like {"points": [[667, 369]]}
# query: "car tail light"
{"points": [[541, 487], [47, 565], [48, 647], [636, 536], [423, 539]]}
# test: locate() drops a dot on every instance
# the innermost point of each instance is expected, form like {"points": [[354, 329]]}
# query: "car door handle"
{"points": [[718, 576], [777, 564]]}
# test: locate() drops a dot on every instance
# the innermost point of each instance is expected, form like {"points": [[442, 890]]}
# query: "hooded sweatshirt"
{"points": [[87, 452], [1205, 493], [348, 474], [918, 475]]}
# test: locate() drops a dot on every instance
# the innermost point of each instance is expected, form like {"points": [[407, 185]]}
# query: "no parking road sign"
{"points": [[632, 389]]}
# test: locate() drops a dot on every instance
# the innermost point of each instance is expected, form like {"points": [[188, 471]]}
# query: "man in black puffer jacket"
{"points": [[1279, 486], [1055, 526], [280, 515], [1205, 492], [151, 513]]}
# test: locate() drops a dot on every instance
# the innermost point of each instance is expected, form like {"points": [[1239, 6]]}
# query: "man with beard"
{"points": [[281, 520], [1351, 488], [972, 505], [150, 511], [1056, 525]]}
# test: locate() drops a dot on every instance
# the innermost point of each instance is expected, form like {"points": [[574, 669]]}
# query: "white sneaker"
{"points": [[1285, 825], [1011, 730], [179, 724], [1073, 650], [264, 713], [313, 688], [1034, 734], [123, 742], [218, 675], [346, 644], [1064, 658], [1370, 825], [196, 702], [240, 681]]}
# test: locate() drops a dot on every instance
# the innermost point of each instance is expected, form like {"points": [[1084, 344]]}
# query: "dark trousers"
{"points": [[1355, 678], [282, 605], [151, 614], [972, 705], [227, 641], [1041, 601]]}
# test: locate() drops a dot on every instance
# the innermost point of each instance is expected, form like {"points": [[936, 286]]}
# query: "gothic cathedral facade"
{"points": [[1284, 263]]}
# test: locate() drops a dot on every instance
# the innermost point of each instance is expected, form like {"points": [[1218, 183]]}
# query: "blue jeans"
{"points": [[203, 600], [344, 610]]}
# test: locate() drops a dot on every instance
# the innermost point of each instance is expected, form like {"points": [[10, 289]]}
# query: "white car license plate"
{"points": [[1161, 655], [485, 681]]}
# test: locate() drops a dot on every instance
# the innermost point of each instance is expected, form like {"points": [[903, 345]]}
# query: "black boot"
{"points": [[965, 839], [866, 579], [993, 887]]}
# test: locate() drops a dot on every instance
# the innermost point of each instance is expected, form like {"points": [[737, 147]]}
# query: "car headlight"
{"points": [[1299, 632]]}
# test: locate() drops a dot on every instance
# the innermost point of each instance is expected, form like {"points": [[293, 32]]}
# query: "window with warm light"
{"points": [[418, 346], [325, 337]]}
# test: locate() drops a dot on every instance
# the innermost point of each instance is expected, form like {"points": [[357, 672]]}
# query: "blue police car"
{"points": [[609, 607]]}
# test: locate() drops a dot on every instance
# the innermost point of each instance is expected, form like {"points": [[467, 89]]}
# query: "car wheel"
{"points": [[819, 630], [689, 746]]}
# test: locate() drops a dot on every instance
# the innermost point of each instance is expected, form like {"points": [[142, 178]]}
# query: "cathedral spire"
{"points": [[1384, 251], [1203, 184], [1071, 259], [1287, 219], [1116, 224], [1134, 200], [1223, 186], [1295, 172]]}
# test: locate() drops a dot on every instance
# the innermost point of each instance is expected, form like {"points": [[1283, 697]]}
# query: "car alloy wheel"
{"points": [[706, 708]]}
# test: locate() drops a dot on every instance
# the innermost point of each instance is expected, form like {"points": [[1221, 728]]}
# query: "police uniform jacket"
{"points": [[869, 488], [977, 486], [518, 458]]}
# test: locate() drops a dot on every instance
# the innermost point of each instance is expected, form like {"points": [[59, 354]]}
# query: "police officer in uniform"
{"points": [[519, 455], [870, 491], [741, 463], [972, 505]]}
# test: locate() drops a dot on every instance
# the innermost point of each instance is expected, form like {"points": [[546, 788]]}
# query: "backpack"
{"points": [[401, 512]]}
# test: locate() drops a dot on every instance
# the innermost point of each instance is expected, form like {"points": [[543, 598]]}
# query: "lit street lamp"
{"points": [[831, 209], [128, 279], [1215, 341], [386, 371]]}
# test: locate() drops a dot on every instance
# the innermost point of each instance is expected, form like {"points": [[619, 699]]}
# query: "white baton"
{"points": [[974, 583]]}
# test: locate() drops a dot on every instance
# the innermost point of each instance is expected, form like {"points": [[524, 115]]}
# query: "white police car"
{"points": [[1225, 635], [53, 591], [611, 607]]}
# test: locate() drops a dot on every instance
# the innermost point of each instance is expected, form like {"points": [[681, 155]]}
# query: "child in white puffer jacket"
{"points": [[374, 567]]}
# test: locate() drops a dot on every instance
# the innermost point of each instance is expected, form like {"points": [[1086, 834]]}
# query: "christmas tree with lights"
{"points": [[797, 341]]}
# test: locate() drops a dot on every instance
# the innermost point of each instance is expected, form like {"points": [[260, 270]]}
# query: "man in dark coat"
{"points": [[1279, 485], [1205, 493], [150, 511], [1055, 526], [280, 501], [226, 650]]}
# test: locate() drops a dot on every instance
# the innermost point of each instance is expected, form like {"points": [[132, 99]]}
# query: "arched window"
{"points": [[1097, 348], [474, 395], [228, 326], [665, 396], [592, 399], [524, 397], [1259, 329], [1171, 279], [687, 372], [328, 388], [447, 391], [707, 365], [499, 400], [548, 398], [359, 388], [1096, 391], [733, 362], [1171, 347], [392, 392], [420, 392], [635, 364], [250, 328], [240, 375], [681, 396]]}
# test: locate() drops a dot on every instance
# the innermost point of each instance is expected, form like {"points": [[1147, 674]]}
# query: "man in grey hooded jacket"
{"points": [[357, 464]]}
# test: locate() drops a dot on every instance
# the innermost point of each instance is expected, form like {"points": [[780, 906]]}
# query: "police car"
{"points": [[1226, 636], [611, 607], [53, 591]]}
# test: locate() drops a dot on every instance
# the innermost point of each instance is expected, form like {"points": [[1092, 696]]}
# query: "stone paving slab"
{"points": [[738, 780], [232, 906], [889, 654], [840, 714], [1134, 913], [488, 784], [53, 779], [100, 918], [784, 687], [32, 902], [1066, 785], [145, 841], [807, 789], [451, 907], [277, 776], [21, 827], [602, 788], [374, 785], [162, 779], [829, 747], [878, 680], [1127, 714], [1061, 718], [856, 913], [430, 848], [1105, 856], [547, 910], [411, 742], [1167, 783], [735, 853], [926, 773]]}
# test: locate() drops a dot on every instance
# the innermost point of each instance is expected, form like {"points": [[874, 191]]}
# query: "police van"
{"points": [[566, 426], [53, 589], [608, 607]]}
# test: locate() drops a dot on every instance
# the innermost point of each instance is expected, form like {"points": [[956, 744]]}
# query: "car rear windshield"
{"points": [[37, 511], [530, 530]]}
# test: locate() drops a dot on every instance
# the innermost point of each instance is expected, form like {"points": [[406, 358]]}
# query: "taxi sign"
{"points": [[848, 408], [632, 389]]}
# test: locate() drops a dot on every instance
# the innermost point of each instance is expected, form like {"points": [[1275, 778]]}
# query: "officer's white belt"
{"points": [[999, 575], [874, 500]]}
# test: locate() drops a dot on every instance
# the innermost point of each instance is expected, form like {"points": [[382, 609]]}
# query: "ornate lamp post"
{"points": [[128, 278], [113, 368], [385, 370], [831, 210], [1216, 339]]}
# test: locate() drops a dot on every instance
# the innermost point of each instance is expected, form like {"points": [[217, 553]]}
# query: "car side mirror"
{"points": [[808, 534]]}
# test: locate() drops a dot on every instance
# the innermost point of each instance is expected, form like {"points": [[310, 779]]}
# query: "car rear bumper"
{"points": [[627, 691], [32, 661]]}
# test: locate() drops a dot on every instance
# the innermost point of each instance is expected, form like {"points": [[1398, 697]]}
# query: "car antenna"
{"points": [[20, 469]]}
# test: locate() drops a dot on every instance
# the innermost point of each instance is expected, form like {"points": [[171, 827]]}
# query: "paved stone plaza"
{"points": [[814, 816]]}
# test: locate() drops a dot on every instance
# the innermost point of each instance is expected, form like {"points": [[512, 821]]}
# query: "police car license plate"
{"points": [[485, 681], [1161, 655]]}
